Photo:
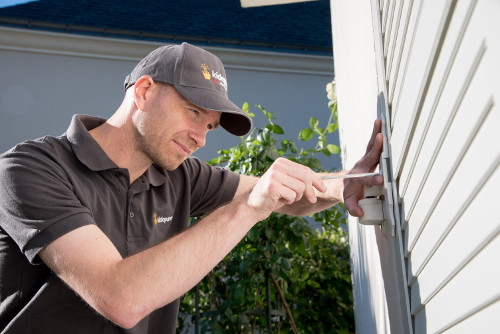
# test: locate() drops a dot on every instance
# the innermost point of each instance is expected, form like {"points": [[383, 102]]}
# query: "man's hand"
{"points": [[285, 182], [353, 188]]}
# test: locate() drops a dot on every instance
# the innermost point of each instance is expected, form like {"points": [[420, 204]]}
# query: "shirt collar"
{"points": [[86, 149], [155, 175]]}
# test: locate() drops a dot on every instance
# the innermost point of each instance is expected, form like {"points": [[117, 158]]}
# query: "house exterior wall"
{"points": [[435, 64], [357, 90], [47, 77]]}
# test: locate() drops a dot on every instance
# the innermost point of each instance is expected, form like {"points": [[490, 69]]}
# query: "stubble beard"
{"points": [[159, 154], [155, 149]]}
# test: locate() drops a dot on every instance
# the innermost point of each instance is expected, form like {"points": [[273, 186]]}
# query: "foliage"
{"points": [[307, 270]]}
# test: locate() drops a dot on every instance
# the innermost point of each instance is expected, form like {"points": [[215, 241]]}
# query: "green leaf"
{"points": [[264, 136], [268, 115], [313, 284], [333, 148], [239, 293], [332, 127], [313, 122], [315, 164], [306, 134], [245, 107], [286, 264], [271, 153], [244, 266], [253, 234], [269, 233], [278, 129]]}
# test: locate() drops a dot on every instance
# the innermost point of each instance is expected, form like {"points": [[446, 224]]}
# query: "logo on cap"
{"points": [[205, 72], [215, 76]]}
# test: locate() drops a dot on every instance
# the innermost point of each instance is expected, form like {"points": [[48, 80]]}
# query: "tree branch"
{"points": [[285, 304]]}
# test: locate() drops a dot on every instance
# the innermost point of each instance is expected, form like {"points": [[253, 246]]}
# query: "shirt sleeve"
{"points": [[37, 202], [211, 186]]}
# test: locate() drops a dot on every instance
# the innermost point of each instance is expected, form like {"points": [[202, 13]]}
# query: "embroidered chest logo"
{"points": [[161, 220]]}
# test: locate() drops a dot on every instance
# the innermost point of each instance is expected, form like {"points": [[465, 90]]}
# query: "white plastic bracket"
{"points": [[372, 205], [378, 203]]}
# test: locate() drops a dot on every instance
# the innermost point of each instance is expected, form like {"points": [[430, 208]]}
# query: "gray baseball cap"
{"points": [[197, 75]]}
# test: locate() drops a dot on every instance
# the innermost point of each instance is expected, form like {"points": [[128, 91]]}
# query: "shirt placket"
{"points": [[135, 216]]}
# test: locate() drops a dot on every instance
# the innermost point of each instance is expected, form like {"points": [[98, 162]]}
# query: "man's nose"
{"points": [[200, 136]]}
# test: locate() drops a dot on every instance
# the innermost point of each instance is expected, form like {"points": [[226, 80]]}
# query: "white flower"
{"points": [[329, 86], [331, 90]]}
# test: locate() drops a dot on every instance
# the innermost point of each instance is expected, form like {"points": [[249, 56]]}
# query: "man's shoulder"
{"points": [[35, 153], [39, 145], [46, 144]]}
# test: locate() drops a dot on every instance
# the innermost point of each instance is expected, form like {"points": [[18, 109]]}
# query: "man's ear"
{"points": [[141, 90]]}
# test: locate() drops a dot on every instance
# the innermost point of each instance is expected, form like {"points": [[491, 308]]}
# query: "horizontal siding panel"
{"points": [[424, 46], [483, 321], [449, 50], [470, 291], [408, 19], [474, 229]]}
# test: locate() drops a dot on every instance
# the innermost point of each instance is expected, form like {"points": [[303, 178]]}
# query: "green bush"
{"points": [[306, 270]]}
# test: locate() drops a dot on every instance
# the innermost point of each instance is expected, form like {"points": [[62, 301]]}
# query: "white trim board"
{"points": [[38, 41]]}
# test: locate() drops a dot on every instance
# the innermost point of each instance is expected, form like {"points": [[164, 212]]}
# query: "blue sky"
{"points": [[8, 3]]}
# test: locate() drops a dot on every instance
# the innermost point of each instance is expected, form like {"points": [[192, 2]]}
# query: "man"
{"points": [[94, 233]]}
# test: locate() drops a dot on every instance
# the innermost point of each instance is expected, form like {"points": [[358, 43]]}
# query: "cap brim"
{"points": [[233, 119]]}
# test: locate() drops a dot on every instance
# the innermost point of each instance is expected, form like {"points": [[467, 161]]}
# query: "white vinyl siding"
{"points": [[439, 73], [445, 155]]}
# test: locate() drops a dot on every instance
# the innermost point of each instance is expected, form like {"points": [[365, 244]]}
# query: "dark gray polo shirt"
{"points": [[51, 186]]}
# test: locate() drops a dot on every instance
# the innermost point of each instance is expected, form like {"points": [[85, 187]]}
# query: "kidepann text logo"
{"points": [[160, 219], [215, 76]]}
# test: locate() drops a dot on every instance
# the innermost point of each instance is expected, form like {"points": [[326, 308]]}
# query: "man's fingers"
{"points": [[351, 204], [353, 192], [303, 174], [353, 188], [371, 180], [377, 128], [371, 159], [289, 182]]}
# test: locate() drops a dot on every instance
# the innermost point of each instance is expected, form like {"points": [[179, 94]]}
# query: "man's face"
{"points": [[172, 128]]}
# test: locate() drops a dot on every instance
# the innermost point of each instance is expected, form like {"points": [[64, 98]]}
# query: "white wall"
{"points": [[48, 77], [357, 90]]}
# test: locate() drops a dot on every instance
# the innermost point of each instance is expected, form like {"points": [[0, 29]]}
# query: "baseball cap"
{"points": [[197, 75]]}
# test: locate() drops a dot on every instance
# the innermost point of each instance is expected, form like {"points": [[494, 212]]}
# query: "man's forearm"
{"points": [[126, 290], [172, 268]]}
